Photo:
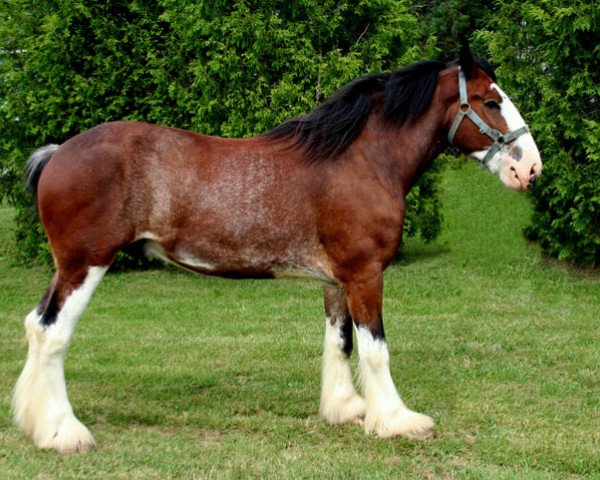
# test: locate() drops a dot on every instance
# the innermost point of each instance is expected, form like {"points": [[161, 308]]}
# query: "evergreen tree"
{"points": [[447, 20], [548, 52], [217, 67]]}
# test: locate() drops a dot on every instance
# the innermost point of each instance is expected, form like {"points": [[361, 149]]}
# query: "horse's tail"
{"points": [[36, 163]]}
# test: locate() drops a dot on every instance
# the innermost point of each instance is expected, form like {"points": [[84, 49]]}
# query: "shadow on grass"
{"points": [[414, 251], [203, 405]]}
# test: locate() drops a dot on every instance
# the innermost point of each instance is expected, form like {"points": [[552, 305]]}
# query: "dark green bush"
{"points": [[217, 67], [548, 53]]}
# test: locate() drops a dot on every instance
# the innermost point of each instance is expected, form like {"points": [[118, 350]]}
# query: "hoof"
{"points": [[351, 410], [405, 423], [71, 436]]}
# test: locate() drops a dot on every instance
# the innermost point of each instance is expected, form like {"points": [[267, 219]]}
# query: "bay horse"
{"points": [[321, 196]]}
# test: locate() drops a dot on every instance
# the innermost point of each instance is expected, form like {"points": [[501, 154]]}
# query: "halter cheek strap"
{"points": [[465, 110]]}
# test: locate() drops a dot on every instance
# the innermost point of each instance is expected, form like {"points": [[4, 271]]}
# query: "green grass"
{"points": [[180, 376]]}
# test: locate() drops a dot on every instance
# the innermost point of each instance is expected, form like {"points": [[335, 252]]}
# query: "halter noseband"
{"points": [[465, 110]]}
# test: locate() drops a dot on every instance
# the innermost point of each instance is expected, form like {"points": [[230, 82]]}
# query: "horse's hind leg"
{"points": [[340, 403], [41, 407]]}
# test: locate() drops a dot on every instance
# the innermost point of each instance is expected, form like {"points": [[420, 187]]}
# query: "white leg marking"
{"points": [[40, 404], [386, 415], [340, 403]]}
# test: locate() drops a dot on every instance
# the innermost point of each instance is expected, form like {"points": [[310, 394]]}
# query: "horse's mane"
{"points": [[330, 128]]}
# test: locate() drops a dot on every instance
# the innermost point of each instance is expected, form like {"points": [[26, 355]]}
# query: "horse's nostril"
{"points": [[532, 179]]}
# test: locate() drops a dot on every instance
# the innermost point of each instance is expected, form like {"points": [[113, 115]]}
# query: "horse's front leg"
{"points": [[386, 415], [340, 403]]}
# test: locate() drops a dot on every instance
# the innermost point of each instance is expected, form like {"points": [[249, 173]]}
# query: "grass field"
{"points": [[180, 376]]}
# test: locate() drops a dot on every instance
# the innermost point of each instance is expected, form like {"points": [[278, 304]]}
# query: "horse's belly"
{"points": [[244, 264]]}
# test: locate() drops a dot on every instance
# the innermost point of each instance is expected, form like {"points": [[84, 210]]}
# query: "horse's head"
{"points": [[485, 124]]}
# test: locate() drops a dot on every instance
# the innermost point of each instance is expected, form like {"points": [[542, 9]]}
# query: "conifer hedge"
{"points": [[229, 68], [548, 56], [238, 68]]}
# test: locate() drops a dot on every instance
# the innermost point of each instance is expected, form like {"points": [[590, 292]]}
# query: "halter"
{"points": [[465, 110]]}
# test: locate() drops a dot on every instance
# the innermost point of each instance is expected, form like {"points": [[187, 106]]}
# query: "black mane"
{"points": [[330, 128]]}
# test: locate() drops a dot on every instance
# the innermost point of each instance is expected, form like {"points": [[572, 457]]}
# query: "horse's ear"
{"points": [[466, 60]]}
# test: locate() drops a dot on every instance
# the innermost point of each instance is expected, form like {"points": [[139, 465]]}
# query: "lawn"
{"points": [[182, 376]]}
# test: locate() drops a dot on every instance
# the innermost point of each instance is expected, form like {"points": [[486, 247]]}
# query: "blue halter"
{"points": [[465, 110]]}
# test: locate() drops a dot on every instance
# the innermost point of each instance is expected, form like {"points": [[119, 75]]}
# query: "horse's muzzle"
{"points": [[521, 174]]}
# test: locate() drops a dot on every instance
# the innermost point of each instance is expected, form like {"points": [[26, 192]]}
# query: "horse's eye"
{"points": [[492, 105]]}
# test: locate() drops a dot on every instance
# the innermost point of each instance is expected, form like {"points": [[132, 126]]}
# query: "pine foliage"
{"points": [[548, 56], [218, 67]]}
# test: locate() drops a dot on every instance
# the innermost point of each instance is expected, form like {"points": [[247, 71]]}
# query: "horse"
{"points": [[321, 196]]}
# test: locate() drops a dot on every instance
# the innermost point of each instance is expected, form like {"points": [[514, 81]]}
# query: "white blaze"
{"points": [[514, 171]]}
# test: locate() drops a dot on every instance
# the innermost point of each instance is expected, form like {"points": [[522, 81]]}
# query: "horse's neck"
{"points": [[401, 155]]}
